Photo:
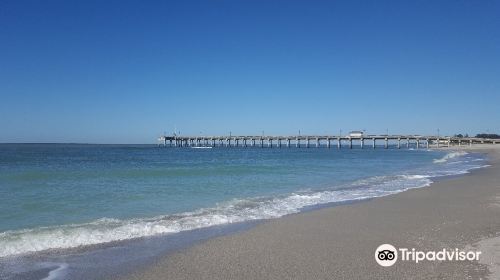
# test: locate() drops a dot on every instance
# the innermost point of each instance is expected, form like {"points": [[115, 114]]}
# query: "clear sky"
{"points": [[126, 71]]}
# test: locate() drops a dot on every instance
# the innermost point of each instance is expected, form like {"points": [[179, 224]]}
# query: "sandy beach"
{"points": [[339, 242]]}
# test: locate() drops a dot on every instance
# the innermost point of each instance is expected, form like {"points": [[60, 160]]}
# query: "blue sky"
{"points": [[126, 71]]}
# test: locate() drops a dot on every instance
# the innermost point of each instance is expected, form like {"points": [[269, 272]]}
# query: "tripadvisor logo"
{"points": [[387, 255]]}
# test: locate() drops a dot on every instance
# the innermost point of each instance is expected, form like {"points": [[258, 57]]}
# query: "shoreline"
{"points": [[307, 244]]}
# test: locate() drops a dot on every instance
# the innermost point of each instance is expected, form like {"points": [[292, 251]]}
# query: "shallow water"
{"points": [[67, 196]]}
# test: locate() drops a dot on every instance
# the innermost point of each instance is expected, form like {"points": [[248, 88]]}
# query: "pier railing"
{"points": [[327, 141]]}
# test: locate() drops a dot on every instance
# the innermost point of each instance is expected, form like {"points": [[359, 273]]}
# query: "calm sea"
{"points": [[62, 196]]}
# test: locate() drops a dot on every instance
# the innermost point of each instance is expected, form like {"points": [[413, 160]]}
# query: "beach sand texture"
{"points": [[339, 242]]}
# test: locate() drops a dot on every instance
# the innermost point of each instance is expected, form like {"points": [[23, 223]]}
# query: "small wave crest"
{"points": [[57, 272], [237, 210], [107, 230], [449, 156]]}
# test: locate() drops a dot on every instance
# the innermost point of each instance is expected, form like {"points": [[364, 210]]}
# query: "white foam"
{"points": [[449, 156], [238, 210], [416, 176]]}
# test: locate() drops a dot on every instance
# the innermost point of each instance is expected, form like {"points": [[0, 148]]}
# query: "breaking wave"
{"points": [[106, 230], [238, 210], [449, 156]]}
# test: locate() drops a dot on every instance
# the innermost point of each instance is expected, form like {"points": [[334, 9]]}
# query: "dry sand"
{"points": [[339, 242]]}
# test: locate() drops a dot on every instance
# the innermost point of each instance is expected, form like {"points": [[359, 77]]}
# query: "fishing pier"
{"points": [[307, 141]]}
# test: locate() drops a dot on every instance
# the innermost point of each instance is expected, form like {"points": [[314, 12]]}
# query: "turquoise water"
{"points": [[55, 196]]}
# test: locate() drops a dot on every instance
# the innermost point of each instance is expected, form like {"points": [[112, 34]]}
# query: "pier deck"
{"points": [[327, 141]]}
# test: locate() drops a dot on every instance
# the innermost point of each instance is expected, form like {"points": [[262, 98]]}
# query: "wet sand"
{"points": [[339, 242]]}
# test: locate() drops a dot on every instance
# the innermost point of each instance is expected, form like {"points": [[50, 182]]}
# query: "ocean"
{"points": [[62, 205]]}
